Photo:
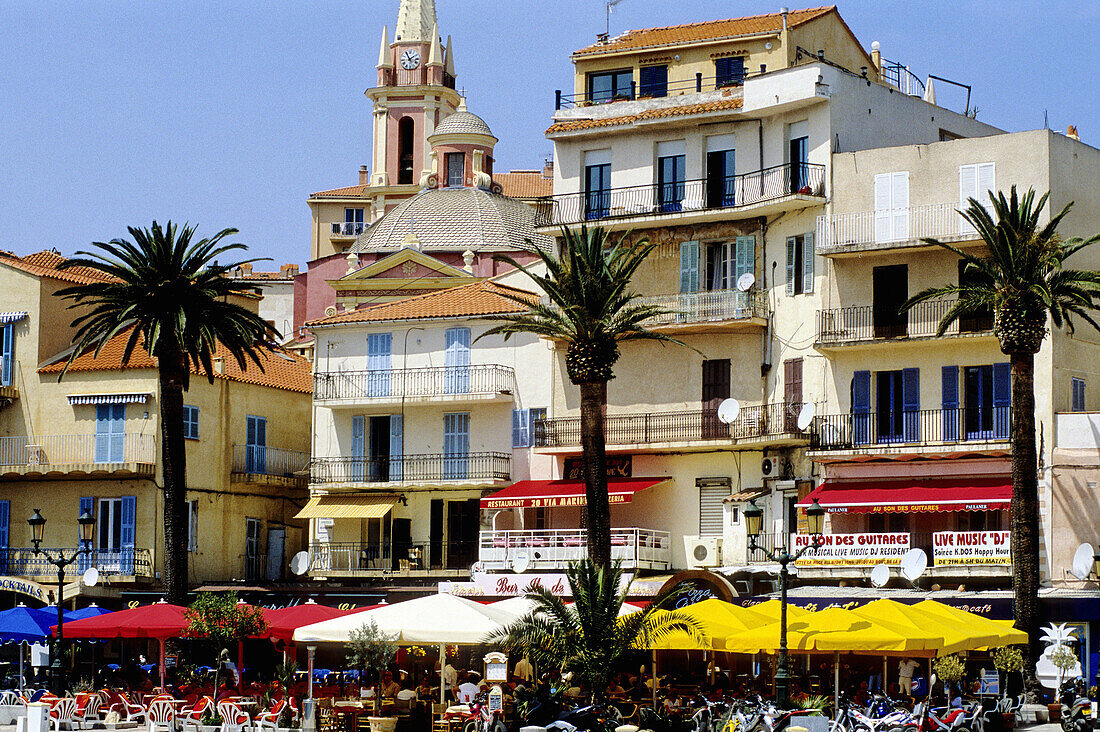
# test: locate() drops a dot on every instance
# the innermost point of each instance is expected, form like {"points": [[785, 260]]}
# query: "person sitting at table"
{"points": [[406, 692], [389, 686], [467, 689], [613, 686], [424, 688]]}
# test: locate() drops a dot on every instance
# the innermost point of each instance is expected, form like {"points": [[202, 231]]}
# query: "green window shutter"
{"points": [[689, 266], [746, 257], [790, 264]]}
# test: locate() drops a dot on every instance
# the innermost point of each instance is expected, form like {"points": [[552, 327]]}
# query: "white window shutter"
{"points": [[883, 199], [968, 188], [987, 182], [899, 202], [808, 262], [790, 264]]}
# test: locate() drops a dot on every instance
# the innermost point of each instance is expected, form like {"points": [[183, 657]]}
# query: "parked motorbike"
{"points": [[1076, 706]]}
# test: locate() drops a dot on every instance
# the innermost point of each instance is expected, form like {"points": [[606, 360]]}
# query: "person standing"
{"points": [[906, 667]]}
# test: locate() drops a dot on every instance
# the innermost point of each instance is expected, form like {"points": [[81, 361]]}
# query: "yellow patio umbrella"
{"points": [[716, 620], [904, 618], [771, 609], [832, 630], [985, 633]]}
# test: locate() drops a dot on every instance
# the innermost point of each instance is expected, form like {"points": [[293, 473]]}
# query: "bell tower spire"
{"points": [[415, 20]]}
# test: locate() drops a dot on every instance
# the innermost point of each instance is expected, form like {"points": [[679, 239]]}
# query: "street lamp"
{"points": [[38, 532], [754, 523]]}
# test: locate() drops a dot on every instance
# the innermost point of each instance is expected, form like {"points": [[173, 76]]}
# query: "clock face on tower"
{"points": [[410, 59]]}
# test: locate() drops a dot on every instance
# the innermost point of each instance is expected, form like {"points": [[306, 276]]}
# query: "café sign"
{"points": [[970, 547], [852, 550], [514, 585], [23, 587]]}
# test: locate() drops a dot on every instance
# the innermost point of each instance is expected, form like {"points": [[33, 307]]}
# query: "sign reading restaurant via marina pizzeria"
{"points": [[853, 550], [970, 547]]}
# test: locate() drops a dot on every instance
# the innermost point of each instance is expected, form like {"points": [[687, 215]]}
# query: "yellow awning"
{"points": [[335, 507]]}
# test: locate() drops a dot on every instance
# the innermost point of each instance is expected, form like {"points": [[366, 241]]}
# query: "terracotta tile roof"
{"points": [[44, 264], [282, 370], [345, 192], [524, 183], [571, 125], [711, 30], [479, 298]]}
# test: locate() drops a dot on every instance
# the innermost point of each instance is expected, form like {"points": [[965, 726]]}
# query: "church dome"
{"points": [[463, 123], [455, 219]]}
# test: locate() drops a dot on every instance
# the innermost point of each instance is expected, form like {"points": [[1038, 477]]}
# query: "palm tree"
{"points": [[589, 638], [1023, 280], [589, 306], [172, 297]]}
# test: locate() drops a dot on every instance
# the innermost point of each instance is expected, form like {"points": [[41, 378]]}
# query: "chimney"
{"points": [[783, 12], [288, 271], [219, 365], [246, 269], [1071, 132], [548, 169], [876, 55], [364, 176]]}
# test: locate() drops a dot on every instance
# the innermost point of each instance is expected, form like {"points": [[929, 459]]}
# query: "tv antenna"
{"points": [[609, 4]]}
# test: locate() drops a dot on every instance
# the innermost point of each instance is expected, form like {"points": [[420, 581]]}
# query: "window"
{"points": [[523, 425], [978, 521], [974, 322], [887, 523], [712, 492], [456, 170], [720, 172], [889, 291], [255, 445], [456, 359], [716, 389], [379, 348], [456, 445], [798, 152], [729, 71], [252, 555], [654, 81], [975, 181], [897, 405], [1077, 395], [110, 433], [353, 222], [792, 393], [892, 207], [727, 261], [606, 86], [800, 264], [986, 398], [597, 184], [7, 353], [670, 175], [190, 422], [406, 131], [193, 526]]}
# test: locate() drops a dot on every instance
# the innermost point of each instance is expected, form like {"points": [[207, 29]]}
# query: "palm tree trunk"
{"points": [[1025, 504], [598, 511], [174, 459]]}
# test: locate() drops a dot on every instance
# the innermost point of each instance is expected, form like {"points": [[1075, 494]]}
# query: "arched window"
{"points": [[405, 131]]}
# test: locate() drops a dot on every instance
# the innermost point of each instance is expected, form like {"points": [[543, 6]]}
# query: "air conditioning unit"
{"points": [[769, 467], [702, 551]]}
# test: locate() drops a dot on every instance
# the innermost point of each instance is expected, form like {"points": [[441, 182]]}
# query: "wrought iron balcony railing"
{"points": [[348, 228], [655, 89], [660, 199], [902, 428], [399, 557], [129, 561], [867, 323], [707, 307], [429, 467], [57, 450], [753, 422], [263, 460], [385, 384]]}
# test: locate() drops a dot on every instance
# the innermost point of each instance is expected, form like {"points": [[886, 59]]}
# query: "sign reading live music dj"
{"points": [[970, 547]]}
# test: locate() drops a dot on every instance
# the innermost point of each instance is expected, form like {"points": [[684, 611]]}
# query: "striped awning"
{"points": [[13, 317], [108, 398], [335, 507]]}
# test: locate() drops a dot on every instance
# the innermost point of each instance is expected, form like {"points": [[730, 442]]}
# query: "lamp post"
{"points": [[754, 520], [38, 530]]}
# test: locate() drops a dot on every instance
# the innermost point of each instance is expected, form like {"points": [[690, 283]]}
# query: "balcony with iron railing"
{"points": [[862, 231], [358, 559], [707, 308], [263, 464], [486, 468], [551, 550], [75, 456], [480, 382], [698, 84], [118, 564], [857, 324], [348, 228], [974, 428], [761, 423], [790, 185]]}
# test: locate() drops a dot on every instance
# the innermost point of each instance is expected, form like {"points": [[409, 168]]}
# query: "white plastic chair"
{"points": [[234, 719], [87, 717], [62, 713], [162, 716]]}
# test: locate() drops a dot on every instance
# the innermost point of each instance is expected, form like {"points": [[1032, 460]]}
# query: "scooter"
{"points": [[1076, 706]]}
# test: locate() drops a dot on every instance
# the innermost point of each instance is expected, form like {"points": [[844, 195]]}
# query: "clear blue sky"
{"points": [[230, 113]]}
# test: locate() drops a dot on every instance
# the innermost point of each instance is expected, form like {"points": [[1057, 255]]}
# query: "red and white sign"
{"points": [[852, 550], [970, 547]]}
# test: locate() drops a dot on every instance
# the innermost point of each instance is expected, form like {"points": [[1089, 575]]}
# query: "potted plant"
{"points": [[1065, 660], [1007, 660], [371, 650], [950, 669]]}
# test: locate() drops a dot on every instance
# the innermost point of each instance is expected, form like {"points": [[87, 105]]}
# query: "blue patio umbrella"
{"points": [[52, 610], [22, 624], [86, 612]]}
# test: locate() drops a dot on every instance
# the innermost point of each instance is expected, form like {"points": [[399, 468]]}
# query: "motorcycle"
{"points": [[1076, 706], [482, 718]]}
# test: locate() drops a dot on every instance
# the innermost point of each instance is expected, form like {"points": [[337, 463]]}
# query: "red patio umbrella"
{"points": [[159, 621], [281, 622]]}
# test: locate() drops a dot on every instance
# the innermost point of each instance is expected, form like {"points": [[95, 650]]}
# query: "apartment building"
{"points": [[276, 292], [417, 418], [89, 442], [717, 140]]}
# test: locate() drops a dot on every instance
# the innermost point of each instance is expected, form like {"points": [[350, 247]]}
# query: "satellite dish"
{"points": [[1082, 562], [90, 577], [805, 416], [728, 410], [299, 563], [913, 564], [520, 561], [746, 281], [880, 575]]}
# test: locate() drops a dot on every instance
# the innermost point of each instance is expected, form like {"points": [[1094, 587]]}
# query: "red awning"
{"points": [[913, 494], [561, 493]]}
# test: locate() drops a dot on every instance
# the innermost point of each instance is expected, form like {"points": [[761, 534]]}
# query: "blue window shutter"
{"points": [[456, 358], [103, 433], [5, 512], [358, 446], [521, 428], [950, 413], [8, 349], [129, 519], [808, 262], [861, 407], [689, 266], [790, 267], [397, 447], [910, 404], [86, 503], [379, 349], [1002, 399]]}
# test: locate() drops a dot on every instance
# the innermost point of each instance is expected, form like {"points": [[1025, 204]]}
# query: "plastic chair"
{"points": [[193, 716], [162, 716], [234, 719], [87, 712], [62, 713], [270, 719], [127, 709]]}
